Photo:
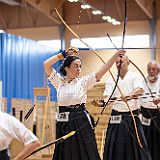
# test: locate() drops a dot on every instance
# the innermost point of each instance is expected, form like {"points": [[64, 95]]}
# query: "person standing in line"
{"points": [[72, 96], [121, 141], [150, 110], [11, 128]]}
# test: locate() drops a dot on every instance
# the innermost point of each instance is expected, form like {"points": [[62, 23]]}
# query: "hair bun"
{"points": [[72, 51]]}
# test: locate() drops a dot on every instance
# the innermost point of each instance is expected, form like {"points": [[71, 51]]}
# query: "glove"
{"points": [[61, 55], [98, 103]]}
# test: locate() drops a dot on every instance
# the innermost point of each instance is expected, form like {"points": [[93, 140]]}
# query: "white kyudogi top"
{"points": [[11, 128], [73, 92], [155, 87], [130, 82]]}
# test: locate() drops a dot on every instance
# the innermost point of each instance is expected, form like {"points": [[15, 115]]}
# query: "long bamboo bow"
{"points": [[146, 82], [97, 54]]}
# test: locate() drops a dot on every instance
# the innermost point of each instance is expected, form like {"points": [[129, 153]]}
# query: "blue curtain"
{"points": [[21, 67]]}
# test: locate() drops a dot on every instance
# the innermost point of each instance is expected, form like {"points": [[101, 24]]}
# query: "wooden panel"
{"points": [[41, 91], [20, 107], [95, 94], [24, 105]]}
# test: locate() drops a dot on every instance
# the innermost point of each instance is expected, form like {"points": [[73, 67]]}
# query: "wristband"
{"points": [[60, 56]]}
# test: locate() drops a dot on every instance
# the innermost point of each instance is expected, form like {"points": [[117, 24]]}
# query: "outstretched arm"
{"points": [[104, 68], [101, 102], [134, 94], [71, 51]]}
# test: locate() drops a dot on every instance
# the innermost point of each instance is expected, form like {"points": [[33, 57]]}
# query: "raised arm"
{"points": [[104, 68], [50, 61], [71, 51]]}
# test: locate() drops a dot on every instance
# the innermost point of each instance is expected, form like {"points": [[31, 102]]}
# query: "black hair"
{"points": [[66, 63]]}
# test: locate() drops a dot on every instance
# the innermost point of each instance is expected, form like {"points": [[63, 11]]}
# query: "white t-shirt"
{"points": [[11, 128], [155, 87], [74, 92], [130, 82]]}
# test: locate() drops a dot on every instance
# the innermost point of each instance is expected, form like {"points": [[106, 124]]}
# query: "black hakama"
{"points": [[152, 131], [4, 155], [82, 145], [121, 141]]}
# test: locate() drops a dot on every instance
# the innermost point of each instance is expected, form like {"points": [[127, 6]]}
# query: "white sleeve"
{"points": [[108, 87], [138, 82], [54, 78], [20, 132], [89, 81], [29, 137]]}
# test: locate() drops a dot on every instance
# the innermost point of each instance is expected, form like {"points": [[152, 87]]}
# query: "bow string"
{"points": [[96, 53]]}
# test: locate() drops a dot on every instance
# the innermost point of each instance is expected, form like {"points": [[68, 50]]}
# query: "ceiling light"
{"points": [[73, 0], [118, 23], [104, 18], [85, 6], [96, 12], [113, 20], [114, 23], [1, 31], [109, 19]]}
